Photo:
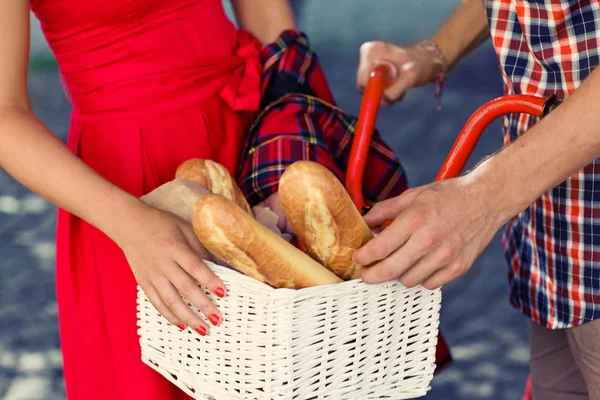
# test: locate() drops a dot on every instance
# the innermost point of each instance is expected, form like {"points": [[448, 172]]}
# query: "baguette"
{"points": [[243, 243], [323, 216], [215, 178]]}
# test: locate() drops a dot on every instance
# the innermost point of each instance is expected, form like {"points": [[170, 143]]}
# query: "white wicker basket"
{"points": [[343, 341]]}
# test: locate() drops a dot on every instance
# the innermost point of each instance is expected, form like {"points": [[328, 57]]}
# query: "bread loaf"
{"points": [[215, 178], [178, 196], [252, 249], [323, 216]]}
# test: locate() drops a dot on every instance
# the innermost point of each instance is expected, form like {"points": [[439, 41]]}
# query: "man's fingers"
{"points": [[405, 257], [389, 209], [439, 278], [427, 266], [380, 247]]}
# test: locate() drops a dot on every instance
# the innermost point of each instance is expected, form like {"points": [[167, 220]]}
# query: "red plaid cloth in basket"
{"points": [[299, 121]]}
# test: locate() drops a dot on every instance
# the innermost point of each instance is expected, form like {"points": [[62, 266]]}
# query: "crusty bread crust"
{"points": [[323, 216], [215, 178], [246, 245]]}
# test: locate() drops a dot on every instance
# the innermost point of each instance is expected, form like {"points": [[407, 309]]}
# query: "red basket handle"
{"points": [[471, 132], [359, 152], [463, 146]]}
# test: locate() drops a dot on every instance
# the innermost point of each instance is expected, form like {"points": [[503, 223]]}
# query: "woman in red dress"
{"points": [[152, 83]]}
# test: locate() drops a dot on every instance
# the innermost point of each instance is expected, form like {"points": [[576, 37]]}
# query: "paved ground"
{"points": [[488, 337]]}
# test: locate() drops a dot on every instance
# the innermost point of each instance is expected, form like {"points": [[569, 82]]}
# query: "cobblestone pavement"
{"points": [[488, 337]]}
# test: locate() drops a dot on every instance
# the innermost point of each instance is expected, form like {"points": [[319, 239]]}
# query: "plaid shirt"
{"points": [[549, 47], [299, 121]]}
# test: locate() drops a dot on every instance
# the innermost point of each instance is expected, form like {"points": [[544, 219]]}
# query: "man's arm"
{"points": [[565, 141], [265, 19], [441, 228]]}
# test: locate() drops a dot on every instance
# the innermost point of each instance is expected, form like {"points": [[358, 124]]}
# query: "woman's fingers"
{"points": [[172, 297], [191, 266], [195, 267], [406, 78], [166, 258], [161, 307]]}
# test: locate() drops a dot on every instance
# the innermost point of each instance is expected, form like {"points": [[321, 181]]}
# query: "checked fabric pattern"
{"points": [[300, 121], [549, 47]]}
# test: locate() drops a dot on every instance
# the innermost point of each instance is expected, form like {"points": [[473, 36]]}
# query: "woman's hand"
{"points": [[410, 66], [166, 257], [437, 233]]}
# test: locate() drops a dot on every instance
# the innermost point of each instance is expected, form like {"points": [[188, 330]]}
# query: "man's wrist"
{"points": [[497, 186]]}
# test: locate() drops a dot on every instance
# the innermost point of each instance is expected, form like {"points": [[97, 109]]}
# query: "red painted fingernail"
{"points": [[181, 326], [214, 319], [202, 330], [220, 292]]}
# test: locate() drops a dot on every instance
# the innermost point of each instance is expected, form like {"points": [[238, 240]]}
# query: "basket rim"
{"points": [[217, 268]]}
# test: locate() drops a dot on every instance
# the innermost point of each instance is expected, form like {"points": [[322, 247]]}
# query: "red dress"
{"points": [[152, 83]]}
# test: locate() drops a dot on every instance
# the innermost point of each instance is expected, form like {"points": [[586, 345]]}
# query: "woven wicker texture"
{"points": [[344, 341]]}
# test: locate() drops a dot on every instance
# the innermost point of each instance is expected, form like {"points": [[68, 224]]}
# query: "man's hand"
{"points": [[437, 233]]}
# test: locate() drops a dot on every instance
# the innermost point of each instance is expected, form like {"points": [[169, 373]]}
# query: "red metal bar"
{"points": [[359, 152], [485, 115], [462, 148]]}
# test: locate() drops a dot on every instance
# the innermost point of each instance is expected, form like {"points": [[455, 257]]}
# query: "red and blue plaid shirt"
{"points": [[548, 47]]}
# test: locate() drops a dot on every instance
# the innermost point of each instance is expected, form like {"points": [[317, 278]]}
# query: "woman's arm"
{"points": [[155, 243], [464, 31], [265, 19], [413, 65], [441, 228], [32, 154]]}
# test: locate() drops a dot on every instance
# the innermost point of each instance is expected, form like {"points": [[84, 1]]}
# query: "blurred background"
{"points": [[488, 338]]}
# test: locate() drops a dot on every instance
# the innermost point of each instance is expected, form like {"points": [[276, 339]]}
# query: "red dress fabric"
{"points": [[152, 83]]}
